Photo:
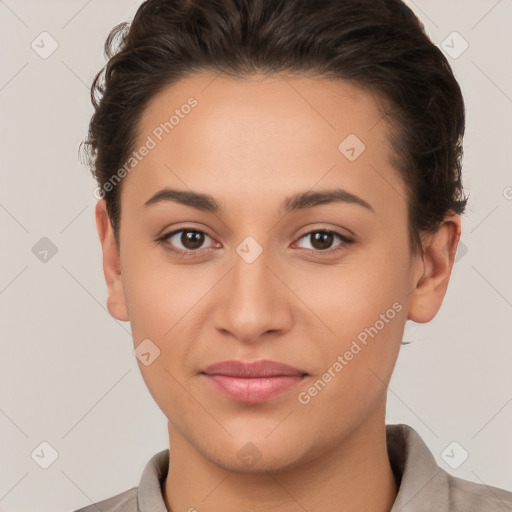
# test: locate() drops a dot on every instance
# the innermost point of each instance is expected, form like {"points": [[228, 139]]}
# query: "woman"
{"points": [[279, 190]]}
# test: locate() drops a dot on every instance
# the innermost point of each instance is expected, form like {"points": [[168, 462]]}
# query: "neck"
{"points": [[354, 475]]}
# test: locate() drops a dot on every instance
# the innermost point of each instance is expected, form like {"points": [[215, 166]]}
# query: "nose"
{"points": [[252, 301]]}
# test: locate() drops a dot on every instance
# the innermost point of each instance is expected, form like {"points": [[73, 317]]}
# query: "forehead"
{"points": [[321, 105], [263, 132]]}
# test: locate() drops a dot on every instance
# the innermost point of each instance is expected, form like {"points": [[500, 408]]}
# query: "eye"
{"points": [[188, 242], [322, 240], [184, 241]]}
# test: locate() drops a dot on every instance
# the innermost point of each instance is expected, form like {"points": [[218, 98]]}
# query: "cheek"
{"points": [[345, 299], [157, 293], [170, 391], [159, 302], [359, 316], [357, 362], [164, 302]]}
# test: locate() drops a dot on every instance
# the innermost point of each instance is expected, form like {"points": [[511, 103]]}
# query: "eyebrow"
{"points": [[299, 201]]}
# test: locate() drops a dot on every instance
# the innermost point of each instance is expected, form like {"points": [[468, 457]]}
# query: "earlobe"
{"points": [[116, 302], [435, 270]]}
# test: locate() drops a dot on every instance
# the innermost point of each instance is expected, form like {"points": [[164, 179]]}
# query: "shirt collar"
{"points": [[149, 493], [423, 485]]}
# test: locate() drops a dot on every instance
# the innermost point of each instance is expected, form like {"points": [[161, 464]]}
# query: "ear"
{"points": [[434, 269], [116, 302]]}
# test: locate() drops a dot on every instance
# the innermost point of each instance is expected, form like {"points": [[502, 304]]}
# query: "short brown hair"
{"points": [[379, 44]]}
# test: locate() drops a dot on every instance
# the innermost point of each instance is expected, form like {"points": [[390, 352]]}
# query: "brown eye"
{"points": [[321, 240], [324, 241], [183, 240], [192, 239]]}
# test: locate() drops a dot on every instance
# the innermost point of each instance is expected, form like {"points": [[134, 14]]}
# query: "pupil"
{"points": [[192, 239], [322, 240]]}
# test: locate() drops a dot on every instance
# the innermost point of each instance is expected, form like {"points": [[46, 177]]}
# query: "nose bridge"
{"points": [[250, 279], [251, 302]]}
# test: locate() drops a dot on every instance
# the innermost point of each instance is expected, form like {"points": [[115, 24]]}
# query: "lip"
{"points": [[256, 369], [252, 382]]}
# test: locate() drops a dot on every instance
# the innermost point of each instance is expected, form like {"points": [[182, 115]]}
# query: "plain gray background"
{"points": [[68, 376]]}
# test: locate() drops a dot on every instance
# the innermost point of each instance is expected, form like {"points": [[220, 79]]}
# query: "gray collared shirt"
{"points": [[423, 485]]}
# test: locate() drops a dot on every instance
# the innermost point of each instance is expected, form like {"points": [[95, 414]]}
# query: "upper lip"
{"points": [[255, 369]]}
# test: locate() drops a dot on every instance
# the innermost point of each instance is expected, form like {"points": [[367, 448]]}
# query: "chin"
{"points": [[242, 463], [251, 454]]}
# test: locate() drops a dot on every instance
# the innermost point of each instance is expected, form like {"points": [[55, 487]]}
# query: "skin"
{"points": [[251, 143]]}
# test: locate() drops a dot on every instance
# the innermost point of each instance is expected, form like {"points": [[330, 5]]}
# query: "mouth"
{"points": [[254, 382]]}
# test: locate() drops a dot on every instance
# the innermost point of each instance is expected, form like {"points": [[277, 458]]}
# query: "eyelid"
{"points": [[345, 241], [191, 253], [185, 226], [314, 228], [164, 238]]}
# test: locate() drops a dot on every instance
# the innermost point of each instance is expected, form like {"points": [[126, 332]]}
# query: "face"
{"points": [[299, 255]]}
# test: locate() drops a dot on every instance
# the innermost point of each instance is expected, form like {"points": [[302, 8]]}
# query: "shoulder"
{"points": [[124, 502], [147, 496], [425, 486], [469, 496]]}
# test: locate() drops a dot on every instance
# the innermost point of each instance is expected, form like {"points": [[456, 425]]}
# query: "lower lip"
{"points": [[253, 390]]}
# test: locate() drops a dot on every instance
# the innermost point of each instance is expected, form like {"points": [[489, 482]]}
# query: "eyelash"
{"points": [[163, 241]]}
